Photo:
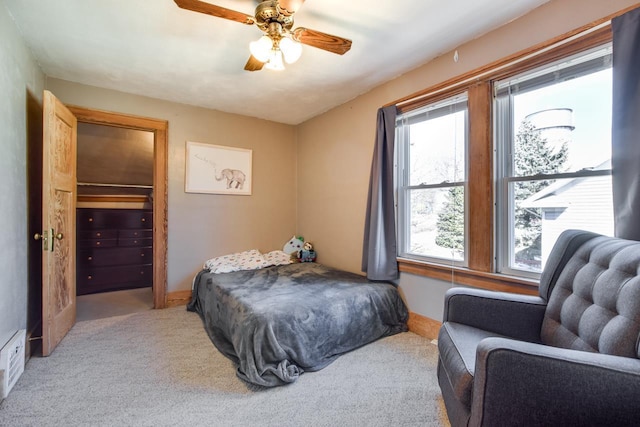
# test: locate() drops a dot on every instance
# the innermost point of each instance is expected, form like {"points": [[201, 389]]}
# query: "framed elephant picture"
{"points": [[217, 169]]}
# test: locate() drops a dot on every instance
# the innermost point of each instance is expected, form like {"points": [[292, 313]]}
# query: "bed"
{"points": [[277, 322]]}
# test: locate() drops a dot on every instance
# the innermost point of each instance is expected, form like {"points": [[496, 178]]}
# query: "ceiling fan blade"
{"points": [[289, 7], [253, 64], [321, 40], [213, 10]]}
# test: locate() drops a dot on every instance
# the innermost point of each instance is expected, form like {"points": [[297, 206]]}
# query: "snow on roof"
{"points": [[552, 195]]}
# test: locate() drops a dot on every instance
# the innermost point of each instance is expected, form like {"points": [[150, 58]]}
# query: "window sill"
{"points": [[465, 276]]}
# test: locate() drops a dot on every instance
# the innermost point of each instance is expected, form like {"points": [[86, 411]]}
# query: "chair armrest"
{"points": [[512, 315], [520, 383]]}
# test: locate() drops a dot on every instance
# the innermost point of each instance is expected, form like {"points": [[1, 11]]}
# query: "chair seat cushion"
{"points": [[457, 344]]}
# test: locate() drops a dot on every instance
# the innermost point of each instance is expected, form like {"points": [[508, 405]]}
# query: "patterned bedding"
{"points": [[277, 322], [247, 260]]}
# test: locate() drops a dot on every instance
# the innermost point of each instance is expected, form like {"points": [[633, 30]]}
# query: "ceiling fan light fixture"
{"points": [[275, 60], [275, 19], [291, 49], [261, 48]]}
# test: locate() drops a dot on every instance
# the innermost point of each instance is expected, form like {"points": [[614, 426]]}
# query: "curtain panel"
{"points": [[626, 125], [379, 247]]}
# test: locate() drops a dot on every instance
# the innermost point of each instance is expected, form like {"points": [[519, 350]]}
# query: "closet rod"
{"points": [[95, 184]]}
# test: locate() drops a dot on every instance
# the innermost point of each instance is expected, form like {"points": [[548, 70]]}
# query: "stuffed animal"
{"points": [[307, 254], [294, 247]]}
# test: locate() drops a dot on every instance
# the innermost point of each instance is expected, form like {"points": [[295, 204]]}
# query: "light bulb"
{"points": [[261, 48], [275, 60], [291, 50]]}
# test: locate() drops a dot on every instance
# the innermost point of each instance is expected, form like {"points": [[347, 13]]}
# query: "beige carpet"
{"points": [[159, 368], [110, 304]]}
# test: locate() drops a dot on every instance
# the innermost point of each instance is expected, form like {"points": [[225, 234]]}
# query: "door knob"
{"points": [[54, 237], [45, 240], [48, 245]]}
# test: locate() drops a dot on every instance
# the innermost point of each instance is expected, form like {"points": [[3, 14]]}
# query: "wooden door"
{"points": [[58, 222]]}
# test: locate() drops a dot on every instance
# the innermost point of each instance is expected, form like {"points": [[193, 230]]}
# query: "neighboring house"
{"points": [[580, 203]]}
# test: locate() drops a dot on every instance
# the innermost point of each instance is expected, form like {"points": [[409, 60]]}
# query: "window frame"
{"points": [[402, 178], [481, 269], [505, 136]]}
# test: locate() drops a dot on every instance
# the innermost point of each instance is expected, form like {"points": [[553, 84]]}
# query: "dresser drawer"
{"points": [[98, 234], [96, 257], [86, 289], [98, 243], [134, 219], [89, 219], [121, 274], [126, 234], [134, 242]]}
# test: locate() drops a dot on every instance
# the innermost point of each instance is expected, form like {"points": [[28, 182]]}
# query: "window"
{"points": [[525, 155], [431, 181], [553, 134]]}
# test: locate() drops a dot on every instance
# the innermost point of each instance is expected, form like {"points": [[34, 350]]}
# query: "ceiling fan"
{"points": [[275, 19]]}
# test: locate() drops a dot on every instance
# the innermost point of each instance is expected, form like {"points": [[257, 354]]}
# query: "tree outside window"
{"points": [[533, 154]]}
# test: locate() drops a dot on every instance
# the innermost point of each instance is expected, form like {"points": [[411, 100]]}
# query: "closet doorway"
{"points": [[133, 196]]}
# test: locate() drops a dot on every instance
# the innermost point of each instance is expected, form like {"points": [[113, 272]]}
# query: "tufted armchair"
{"points": [[567, 357]]}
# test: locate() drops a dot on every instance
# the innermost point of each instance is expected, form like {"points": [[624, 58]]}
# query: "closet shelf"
{"points": [[95, 184]]}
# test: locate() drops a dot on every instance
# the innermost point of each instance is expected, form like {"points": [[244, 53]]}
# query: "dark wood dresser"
{"points": [[115, 249]]}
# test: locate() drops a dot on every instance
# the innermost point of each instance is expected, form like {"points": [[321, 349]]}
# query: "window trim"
{"points": [[466, 276], [481, 259]]}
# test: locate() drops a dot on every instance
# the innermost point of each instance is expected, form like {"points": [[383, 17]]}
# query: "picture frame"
{"points": [[217, 169]]}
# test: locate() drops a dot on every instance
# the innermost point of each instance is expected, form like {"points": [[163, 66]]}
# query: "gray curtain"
{"points": [[626, 124], [379, 247]]}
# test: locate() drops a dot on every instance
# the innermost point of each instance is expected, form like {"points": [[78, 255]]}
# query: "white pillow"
{"points": [[277, 258], [247, 260]]}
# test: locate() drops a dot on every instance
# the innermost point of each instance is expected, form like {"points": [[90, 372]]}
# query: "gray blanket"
{"points": [[277, 322]]}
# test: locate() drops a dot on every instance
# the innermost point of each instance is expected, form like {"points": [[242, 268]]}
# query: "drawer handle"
{"points": [[135, 241], [135, 233], [89, 277], [142, 273], [142, 255], [143, 220], [98, 234], [90, 258], [98, 243], [90, 219]]}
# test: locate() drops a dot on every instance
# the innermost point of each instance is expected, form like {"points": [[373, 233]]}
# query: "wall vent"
{"points": [[12, 362]]}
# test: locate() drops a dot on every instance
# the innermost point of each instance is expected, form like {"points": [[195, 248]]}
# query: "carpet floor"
{"points": [[110, 304], [159, 368]]}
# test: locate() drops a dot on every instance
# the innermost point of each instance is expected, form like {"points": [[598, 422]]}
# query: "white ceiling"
{"points": [[154, 48]]}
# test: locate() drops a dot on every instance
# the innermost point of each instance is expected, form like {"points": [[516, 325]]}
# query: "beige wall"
{"points": [[202, 226], [335, 149], [21, 85], [113, 155]]}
